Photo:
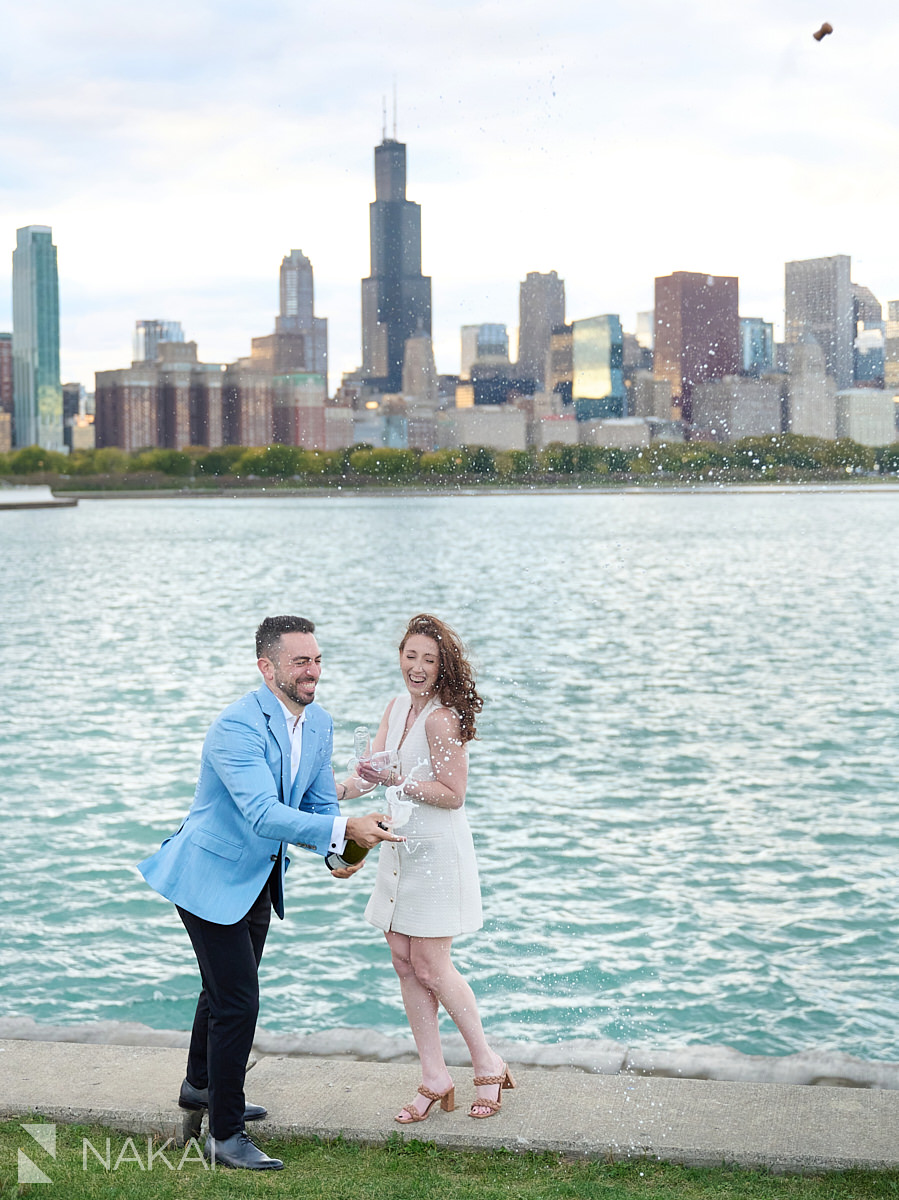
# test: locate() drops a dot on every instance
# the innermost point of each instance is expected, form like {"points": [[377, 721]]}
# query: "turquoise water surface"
{"points": [[683, 799]]}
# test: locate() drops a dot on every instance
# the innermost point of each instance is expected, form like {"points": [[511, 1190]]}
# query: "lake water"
{"points": [[683, 798]]}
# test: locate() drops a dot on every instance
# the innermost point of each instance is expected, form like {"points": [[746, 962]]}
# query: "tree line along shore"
{"points": [[781, 458]]}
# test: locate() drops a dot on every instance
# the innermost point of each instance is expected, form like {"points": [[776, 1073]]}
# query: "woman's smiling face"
{"points": [[420, 664]]}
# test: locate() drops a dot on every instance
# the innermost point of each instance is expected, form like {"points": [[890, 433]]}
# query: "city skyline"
{"points": [[709, 142]]}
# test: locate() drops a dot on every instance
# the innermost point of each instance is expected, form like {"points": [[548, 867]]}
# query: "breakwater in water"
{"points": [[811, 1068]]}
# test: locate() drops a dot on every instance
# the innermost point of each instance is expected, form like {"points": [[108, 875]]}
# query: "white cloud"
{"points": [[180, 151]]}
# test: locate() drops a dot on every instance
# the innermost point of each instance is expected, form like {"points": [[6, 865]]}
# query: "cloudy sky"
{"points": [[179, 150]]}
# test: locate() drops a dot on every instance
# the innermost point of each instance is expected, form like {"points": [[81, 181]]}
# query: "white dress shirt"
{"points": [[295, 734]]}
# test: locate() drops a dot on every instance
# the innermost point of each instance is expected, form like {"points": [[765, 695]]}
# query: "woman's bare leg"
{"points": [[437, 976], [420, 1004]]}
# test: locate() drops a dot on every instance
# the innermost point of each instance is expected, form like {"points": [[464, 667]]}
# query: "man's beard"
{"points": [[290, 688]]}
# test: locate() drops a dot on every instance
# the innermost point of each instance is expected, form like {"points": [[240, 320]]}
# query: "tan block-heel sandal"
{"points": [[447, 1103], [504, 1081]]}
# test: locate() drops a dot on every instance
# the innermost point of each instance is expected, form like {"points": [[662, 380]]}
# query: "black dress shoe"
{"points": [[239, 1151], [196, 1098]]}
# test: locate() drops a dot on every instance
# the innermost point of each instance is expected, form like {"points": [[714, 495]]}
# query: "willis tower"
{"points": [[396, 297]]}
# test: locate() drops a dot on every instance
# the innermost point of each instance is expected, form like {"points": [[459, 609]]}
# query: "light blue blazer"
{"points": [[244, 811]]}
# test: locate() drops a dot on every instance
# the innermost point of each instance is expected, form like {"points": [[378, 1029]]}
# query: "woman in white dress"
{"points": [[427, 890]]}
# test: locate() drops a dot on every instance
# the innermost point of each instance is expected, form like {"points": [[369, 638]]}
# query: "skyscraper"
{"points": [[645, 328], [299, 345], [396, 297], [298, 311], [811, 394], [173, 401], [280, 392], [420, 371], [891, 346], [541, 307], [870, 333], [819, 302], [35, 342], [487, 343], [6, 393], [597, 376], [756, 345], [148, 335], [560, 363], [697, 331]]}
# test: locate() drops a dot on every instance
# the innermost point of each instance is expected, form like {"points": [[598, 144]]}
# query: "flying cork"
{"points": [[825, 29]]}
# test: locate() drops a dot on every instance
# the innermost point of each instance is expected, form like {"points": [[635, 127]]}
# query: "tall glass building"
{"points": [[37, 389], [697, 331], [297, 314], [149, 334], [756, 345], [819, 301], [891, 349], [597, 374], [541, 308], [486, 343], [396, 297], [870, 334]]}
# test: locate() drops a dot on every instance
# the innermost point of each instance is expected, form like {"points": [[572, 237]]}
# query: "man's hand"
{"points": [[369, 830], [346, 872]]}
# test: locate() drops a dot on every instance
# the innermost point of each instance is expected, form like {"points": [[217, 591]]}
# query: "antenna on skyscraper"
{"points": [[394, 108], [383, 118]]}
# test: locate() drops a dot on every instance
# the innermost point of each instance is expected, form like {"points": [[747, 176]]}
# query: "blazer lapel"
{"points": [[278, 727]]}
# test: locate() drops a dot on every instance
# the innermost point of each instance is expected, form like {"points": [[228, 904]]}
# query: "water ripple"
{"points": [[683, 798]]}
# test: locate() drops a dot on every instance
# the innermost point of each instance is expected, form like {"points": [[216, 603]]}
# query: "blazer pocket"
{"points": [[218, 845]]}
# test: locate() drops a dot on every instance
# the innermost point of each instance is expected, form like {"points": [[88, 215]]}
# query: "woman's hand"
{"points": [[388, 776]]}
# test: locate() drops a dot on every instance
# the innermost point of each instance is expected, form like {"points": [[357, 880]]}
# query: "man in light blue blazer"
{"points": [[265, 780]]}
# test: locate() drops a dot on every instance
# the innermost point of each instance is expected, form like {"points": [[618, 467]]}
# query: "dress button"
{"points": [[391, 899], [274, 858]]}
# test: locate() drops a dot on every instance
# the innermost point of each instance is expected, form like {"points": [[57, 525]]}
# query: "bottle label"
{"points": [[352, 853]]}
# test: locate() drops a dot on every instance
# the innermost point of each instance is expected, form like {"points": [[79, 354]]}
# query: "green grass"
{"points": [[399, 1169]]}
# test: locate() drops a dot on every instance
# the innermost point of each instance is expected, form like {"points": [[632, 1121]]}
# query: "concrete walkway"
{"points": [[782, 1127]]}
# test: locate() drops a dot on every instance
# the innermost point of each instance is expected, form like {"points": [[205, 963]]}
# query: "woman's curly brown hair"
{"points": [[455, 681]]}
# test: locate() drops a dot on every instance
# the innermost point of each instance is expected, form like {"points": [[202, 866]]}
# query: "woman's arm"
{"points": [[353, 786], [449, 763]]}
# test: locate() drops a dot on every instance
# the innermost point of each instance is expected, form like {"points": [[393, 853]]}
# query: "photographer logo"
{"points": [[45, 1136]]}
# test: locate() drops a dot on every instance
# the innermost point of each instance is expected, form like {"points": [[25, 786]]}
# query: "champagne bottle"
{"points": [[352, 853]]}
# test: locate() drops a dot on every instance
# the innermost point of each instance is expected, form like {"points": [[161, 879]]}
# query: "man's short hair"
{"points": [[268, 635]]}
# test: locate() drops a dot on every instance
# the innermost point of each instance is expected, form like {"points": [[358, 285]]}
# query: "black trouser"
{"points": [[225, 1020]]}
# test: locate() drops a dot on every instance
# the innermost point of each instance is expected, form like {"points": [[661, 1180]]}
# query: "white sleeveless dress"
{"points": [[430, 889]]}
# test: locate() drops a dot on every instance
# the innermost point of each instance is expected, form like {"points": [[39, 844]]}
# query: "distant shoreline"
{"points": [[350, 491]]}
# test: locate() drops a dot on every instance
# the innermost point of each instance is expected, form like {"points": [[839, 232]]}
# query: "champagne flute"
{"points": [[361, 747], [385, 760]]}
